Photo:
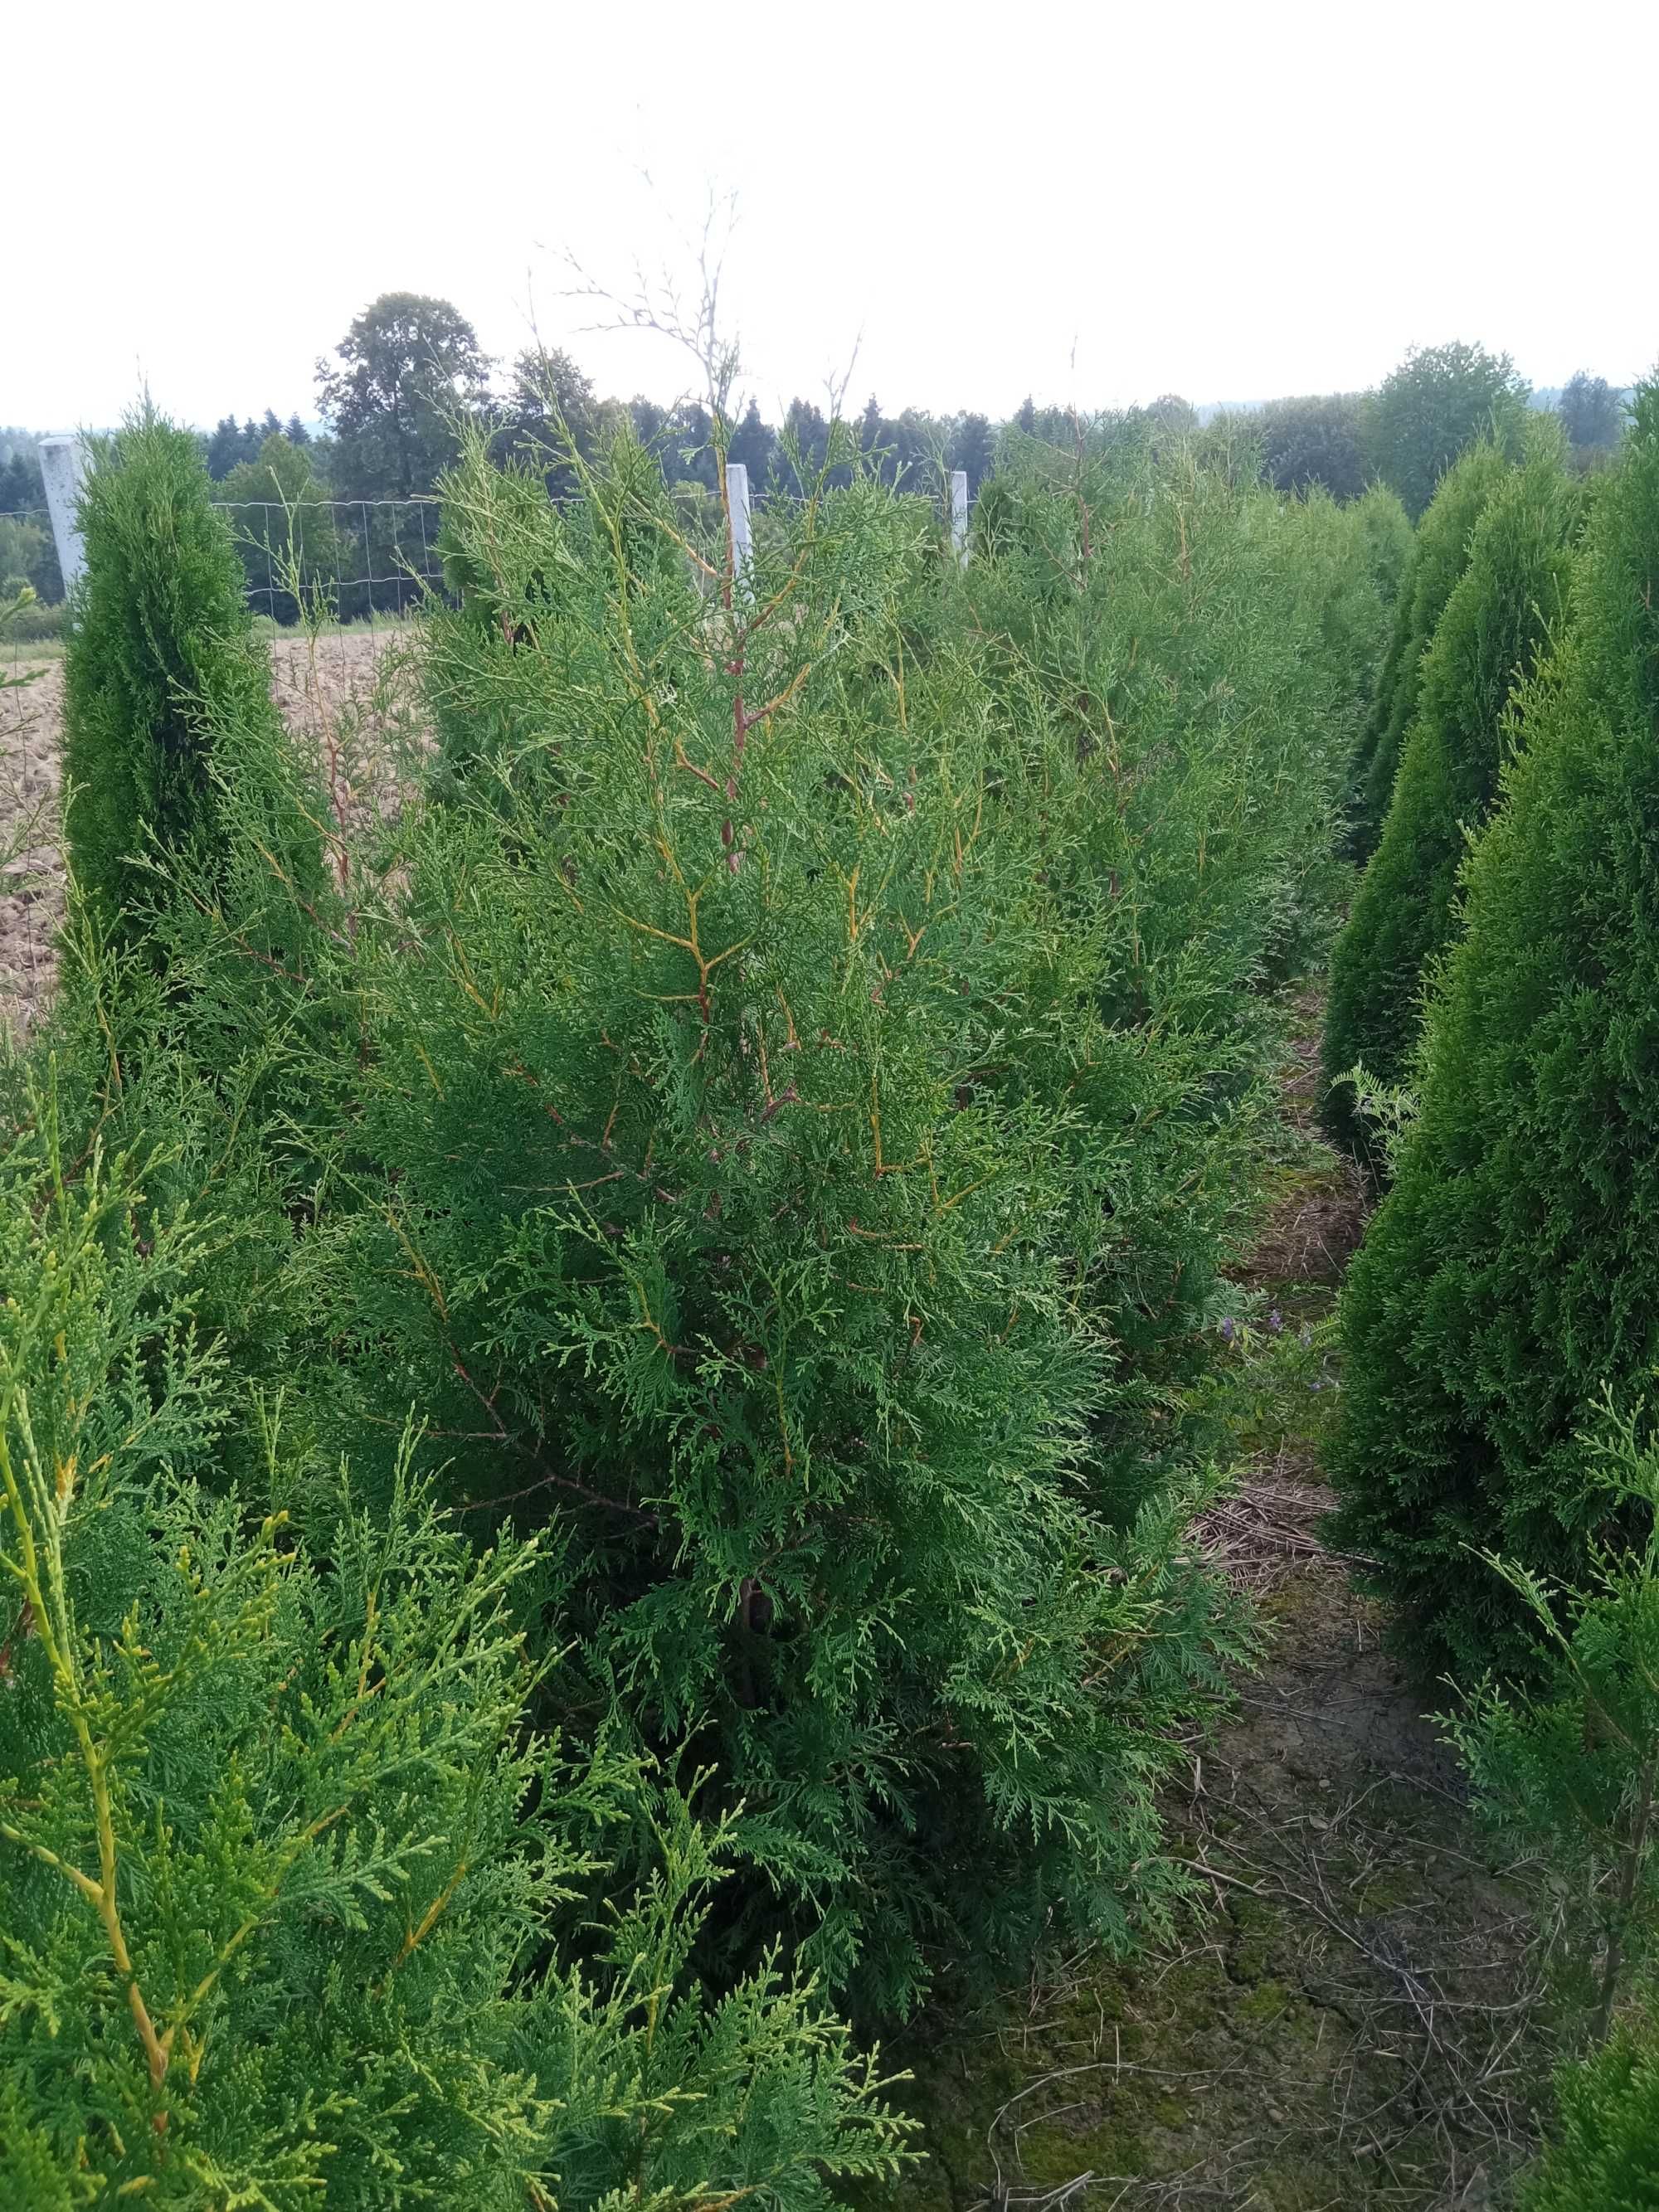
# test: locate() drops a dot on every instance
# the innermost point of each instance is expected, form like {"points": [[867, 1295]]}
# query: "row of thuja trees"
{"points": [[1495, 987], [600, 1385]]}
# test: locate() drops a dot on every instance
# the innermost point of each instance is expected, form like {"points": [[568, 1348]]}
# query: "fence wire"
{"points": [[352, 559], [356, 558]]}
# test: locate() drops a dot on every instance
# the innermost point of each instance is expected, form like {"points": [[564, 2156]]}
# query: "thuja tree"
{"points": [[1495, 625], [1568, 1762], [711, 1226], [1439, 557], [1385, 529], [1182, 655], [295, 1903], [1202, 643], [1509, 1274], [504, 651], [1603, 2154], [161, 646], [1354, 561], [224, 1006]]}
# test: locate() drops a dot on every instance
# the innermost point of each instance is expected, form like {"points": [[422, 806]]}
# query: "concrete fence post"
{"points": [[959, 515], [64, 465], [737, 492]]}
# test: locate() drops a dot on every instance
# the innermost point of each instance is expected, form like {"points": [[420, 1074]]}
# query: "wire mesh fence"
{"points": [[352, 559]]}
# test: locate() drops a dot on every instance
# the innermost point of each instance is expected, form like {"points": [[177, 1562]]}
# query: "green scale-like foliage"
{"points": [[161, 652], [1510, 1273], [1495, 625], [206, 1018], [1205, 646], [1566, 1766], [1440, 555], [1604, 2155], [1188, 654], [294, 1907], [733, 1084], [502, 651], [1387, 541], [1178, 654]]}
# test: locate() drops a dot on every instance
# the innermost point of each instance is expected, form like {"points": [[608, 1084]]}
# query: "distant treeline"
{"points": [[410, 371]]}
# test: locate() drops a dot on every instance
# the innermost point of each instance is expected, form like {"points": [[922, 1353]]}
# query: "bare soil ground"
{"points": [[31, 868], [1354, 2017], [335, 695]]}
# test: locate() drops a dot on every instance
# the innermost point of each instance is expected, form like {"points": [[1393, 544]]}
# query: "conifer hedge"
{"points": [[161, 652], [1371, 541], [1439, 556], [295, 1905], [1496, 623], [1509, 1274], [728, 1183], [784, 1130], [1203, 644], [1185, 655]]}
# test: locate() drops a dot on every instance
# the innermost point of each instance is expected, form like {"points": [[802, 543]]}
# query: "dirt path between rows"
{"points": [[1354, 2019]]}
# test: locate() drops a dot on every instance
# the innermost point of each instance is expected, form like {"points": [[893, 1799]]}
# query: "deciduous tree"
{"points": [[1592, 414], [409, 366], [1314, 440], [1438, 402]]}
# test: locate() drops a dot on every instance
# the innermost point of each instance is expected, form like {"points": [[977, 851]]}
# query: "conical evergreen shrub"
{"points": [[205, 999], [1373, 548], [1389, 541], [162, 648], [1439, 557], [1200, 643], [1495, 625], [1513, 1271], [717, 1220], [1353, 560]]}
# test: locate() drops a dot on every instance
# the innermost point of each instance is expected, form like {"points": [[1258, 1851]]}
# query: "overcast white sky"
{"points": [[1231, 202]]}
